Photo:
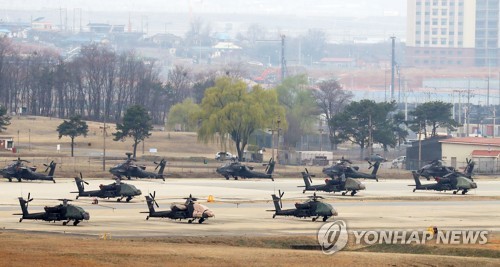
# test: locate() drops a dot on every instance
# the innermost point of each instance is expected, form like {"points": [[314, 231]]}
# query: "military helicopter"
{"points": [[189, 210], [236, 169], [343, 167], [436, 168], [129, 170], [63, 212], [20, 172], [455, 181], [343, 185], [117, 190], [311, 208]]}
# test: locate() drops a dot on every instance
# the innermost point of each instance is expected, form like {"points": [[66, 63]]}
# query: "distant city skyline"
{"points": [[292, 7], [360, 20]]}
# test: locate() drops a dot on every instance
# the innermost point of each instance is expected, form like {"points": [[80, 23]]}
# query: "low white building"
{"points": [[456, 151], [6, 143]]}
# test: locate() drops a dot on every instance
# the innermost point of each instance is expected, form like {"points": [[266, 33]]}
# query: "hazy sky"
{"points": [[297, 7], [340, 19]]}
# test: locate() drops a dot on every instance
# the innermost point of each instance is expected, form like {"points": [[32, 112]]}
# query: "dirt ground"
{"points": [[24, 249]]}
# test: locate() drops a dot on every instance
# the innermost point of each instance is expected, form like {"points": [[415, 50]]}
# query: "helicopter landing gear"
{"points": [[314, 219], [190, 221], [303, 191], [325, 218], [128, 199], [464, 191], [65, 223], [274, 216], [353, 193], [414, 190], [454, 192], [54, 181], [201, 220], [76, 197], [343, 193], [119, 199], [20, 220], [75, 223]]}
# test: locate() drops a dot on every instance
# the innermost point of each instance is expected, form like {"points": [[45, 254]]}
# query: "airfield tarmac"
{"points": [[240, 208]]}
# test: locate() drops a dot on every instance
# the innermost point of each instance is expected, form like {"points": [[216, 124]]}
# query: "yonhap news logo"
{"points": [[333, 236]]}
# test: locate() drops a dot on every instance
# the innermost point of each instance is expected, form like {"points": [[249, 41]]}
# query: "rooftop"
{"points": [[486, 153], [472, 141]]}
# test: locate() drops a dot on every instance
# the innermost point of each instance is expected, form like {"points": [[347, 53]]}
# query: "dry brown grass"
{"points": [[38, 139], [187, 157], [23, 249]]}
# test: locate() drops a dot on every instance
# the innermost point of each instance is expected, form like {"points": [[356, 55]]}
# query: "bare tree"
{"points": [[331, 100], [179, 84]]}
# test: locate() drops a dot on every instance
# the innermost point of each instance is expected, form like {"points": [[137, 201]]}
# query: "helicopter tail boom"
{"points": [[276, 201], [79, 185], [24, 206], [416, 178], [52, 169]]}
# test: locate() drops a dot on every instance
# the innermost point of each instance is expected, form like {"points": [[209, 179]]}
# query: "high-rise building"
{"points": [[459, 33]]}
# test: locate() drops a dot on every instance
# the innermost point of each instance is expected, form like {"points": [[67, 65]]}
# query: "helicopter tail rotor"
{"points": [[280, 196], [153, 198], [28, 200], [81, 178]]}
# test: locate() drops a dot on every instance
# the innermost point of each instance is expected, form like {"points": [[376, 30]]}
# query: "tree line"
{"points": [[232, 109], [97, 83]]}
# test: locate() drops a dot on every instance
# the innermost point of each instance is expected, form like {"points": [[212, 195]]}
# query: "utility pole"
{"points": [[488, 92], [278, 143], [468, 109], [283, 60], [320, 134], [370, 141], [104, 133], [272, 130], [393, 64], [419, 144], [459, 106]]}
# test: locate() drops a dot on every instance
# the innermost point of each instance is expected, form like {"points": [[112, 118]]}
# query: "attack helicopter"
{"points": [[129, 169], [63, 212], [342, 184], [20, 172], [189, 210], [343, 168], [236, 169], [117, 190], [311, 208], [436, 168], [455, 181]]}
